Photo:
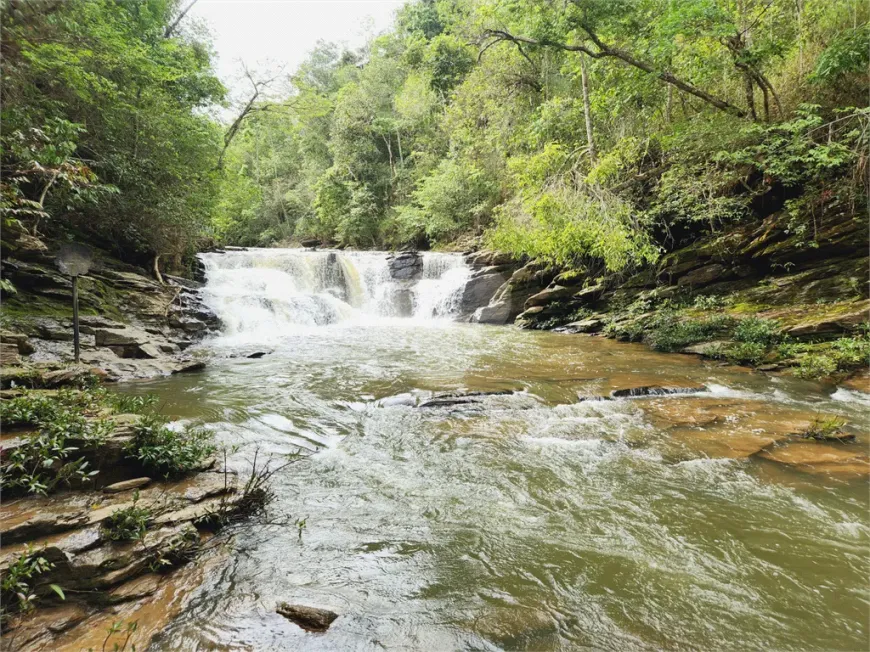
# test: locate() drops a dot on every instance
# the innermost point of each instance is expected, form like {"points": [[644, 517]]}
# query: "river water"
{"points": [[524, 521]]}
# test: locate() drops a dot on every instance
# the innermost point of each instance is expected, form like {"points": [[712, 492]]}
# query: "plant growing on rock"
{"points": [[826, 427], [170, 452], [49, 457], [128, 524], [16, 583]]}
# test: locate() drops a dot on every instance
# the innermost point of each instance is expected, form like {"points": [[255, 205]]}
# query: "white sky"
{"points": [[267, 34]]}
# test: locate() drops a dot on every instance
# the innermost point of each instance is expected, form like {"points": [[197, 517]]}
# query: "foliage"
{"points": [[103, 123], [49, 457], [838, 357], [16, 584], [669, 332], [167, 451], [825, 427], [127, 524]]}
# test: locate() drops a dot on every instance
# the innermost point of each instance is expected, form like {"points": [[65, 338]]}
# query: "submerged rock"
{"points": [[654, 390], [310, 619]]}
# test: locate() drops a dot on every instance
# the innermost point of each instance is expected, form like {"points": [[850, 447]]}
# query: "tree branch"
{"points": [[171, 27], [606, 51]]}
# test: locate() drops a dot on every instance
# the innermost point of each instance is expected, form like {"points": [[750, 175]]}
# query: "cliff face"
{"points": [[132, 326]]}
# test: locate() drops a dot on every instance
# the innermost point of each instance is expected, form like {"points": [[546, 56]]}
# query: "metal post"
{"points": [[75, 289]]}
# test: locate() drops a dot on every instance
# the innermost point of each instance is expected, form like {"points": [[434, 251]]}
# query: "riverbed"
{"points": [[532, 520]]}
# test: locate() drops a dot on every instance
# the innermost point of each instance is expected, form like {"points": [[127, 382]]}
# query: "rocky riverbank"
{"points": [[103, 502], [132, 325], [755, 295]]}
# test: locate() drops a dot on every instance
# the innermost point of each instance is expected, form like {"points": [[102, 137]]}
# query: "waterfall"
{"points": [[262, 292]]}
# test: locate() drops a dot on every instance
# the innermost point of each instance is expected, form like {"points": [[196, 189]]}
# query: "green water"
{"points": [[529, 521]]}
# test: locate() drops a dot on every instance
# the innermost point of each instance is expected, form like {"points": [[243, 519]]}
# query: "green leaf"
{"points": [[58, 590]]}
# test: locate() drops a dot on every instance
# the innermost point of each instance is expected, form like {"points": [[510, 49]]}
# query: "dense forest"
{"points": [[588, 133]]}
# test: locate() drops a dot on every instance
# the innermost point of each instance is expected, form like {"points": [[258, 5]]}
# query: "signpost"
{"points": [[74, 260]]}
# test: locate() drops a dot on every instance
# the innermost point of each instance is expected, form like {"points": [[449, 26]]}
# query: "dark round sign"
{"points": [[74, 259]]}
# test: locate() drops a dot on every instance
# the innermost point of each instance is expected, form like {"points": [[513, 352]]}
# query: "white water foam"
{"points": [[260, 294]]}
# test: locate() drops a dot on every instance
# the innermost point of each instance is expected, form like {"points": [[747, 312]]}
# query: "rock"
{"points": [[509, 298], [257, 354], [148, 350], [708, 349], [310, 619], [97, 321], [9, 354], [189, 324], [190, 365], [590, 294], [447, 399], [481, 287], [826, 326], [183, 282], [591, 325], [126, 485], [820, 458], [41, 525], [20, 340], [494, 313], [704, 276], [311, 243], [860, 382], [488, 259], [549, 295], [70, 376], [654, 390], [405, 266]]}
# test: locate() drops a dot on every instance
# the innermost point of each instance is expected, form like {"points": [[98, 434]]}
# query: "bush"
{"points": [[668, 332], [169, 452], [754, 330], [128, 524], [16, 590], [47, 458]]}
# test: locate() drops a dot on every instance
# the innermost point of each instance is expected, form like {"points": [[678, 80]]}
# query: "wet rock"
{"points": [[654, 390], [188, 366], [405, 265], [508, 300], [311, 243], [257, 354], [447, 399], [310, 619], [41, 525], [126, 485], [183, 282], [860, 382], [591, 325], [815, 457], [188, 324]]}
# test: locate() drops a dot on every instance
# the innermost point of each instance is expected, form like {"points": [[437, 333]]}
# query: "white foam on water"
{"points": [[266, 294], [850, 396]]}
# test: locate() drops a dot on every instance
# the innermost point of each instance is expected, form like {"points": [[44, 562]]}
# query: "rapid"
{"points": [[531, 518]]}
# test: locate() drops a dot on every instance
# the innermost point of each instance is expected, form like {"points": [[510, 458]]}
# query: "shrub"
{"points": [[668, 332], [47, 458], [825, 427], [128, 524], [16, 591], [754, 330], [169, 452]]}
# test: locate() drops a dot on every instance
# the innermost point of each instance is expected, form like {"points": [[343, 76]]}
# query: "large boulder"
{"points": [[405, 265], [704, 276], [509, 299], [480, 289]]}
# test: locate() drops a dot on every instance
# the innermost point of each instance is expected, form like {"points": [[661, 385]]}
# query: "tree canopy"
{"points": [[592, 133]]}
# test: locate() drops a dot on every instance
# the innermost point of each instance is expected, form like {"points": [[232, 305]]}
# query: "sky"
{"points": [[268, 34]]}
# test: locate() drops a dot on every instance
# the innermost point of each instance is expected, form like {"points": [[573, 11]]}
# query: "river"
{"points": [[529, 520]]}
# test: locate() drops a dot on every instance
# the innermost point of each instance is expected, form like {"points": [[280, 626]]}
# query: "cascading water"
{"points": [[262, 292]]}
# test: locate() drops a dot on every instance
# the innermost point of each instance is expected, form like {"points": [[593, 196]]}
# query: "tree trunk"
{"points": [[587, 110], [157, 269]]}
